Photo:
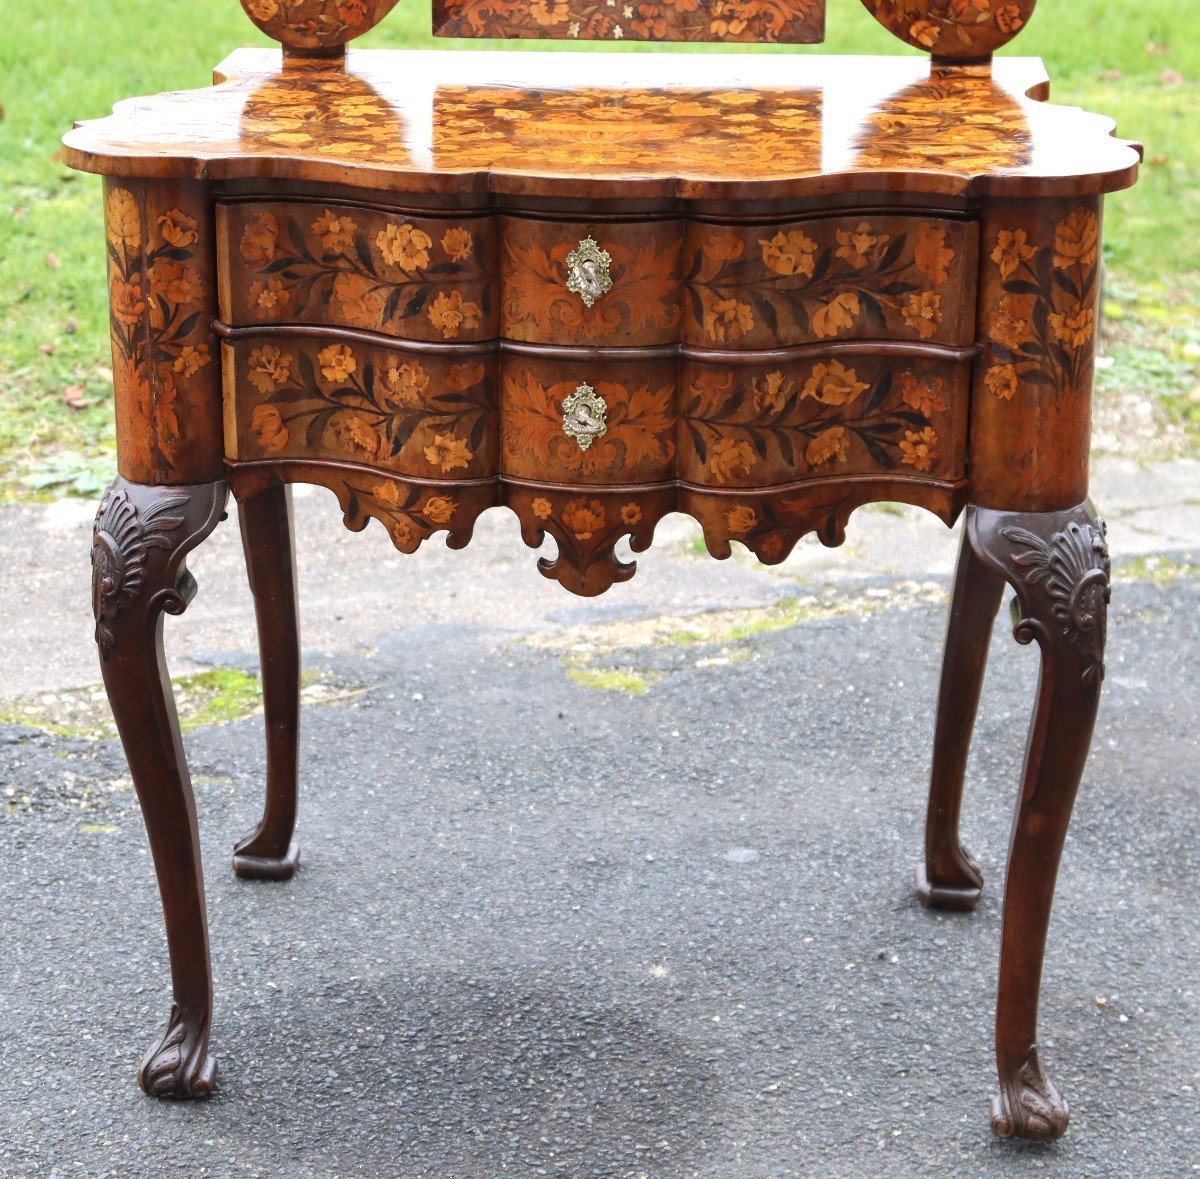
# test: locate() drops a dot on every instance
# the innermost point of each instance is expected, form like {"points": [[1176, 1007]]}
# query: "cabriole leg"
{"points": [[1058, 564], [949, 878], [142, 535], [269, 851]]}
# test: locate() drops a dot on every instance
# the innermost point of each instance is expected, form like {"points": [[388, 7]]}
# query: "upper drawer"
{"points": [[609, 284], [830, 278], [415, 278]]}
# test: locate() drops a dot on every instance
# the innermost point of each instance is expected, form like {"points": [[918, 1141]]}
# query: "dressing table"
{"points": [[596, 289]]}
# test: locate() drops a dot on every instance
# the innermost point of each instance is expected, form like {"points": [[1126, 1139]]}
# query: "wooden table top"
{"points": [[618, 125]]}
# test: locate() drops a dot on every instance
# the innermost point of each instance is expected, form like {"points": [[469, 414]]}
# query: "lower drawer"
{"points": [[759, 425], [419, 414]]}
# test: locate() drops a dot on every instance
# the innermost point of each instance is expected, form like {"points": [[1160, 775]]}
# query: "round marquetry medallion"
{"points": [[316, 26], [955, 29]]}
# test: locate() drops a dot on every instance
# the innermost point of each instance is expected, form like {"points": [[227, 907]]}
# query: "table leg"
{"points": [[1058, 564], [142, 535], [949, 878], [269, 851]]}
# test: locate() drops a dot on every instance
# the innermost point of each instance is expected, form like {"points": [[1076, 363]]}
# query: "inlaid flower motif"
{"points": [[458, 244], [833, 443], [925, 396], [728, 319], [336, 362], [730, 458], [772, 393], [447, 452], [855, 246], [631, 514], [584, 518], [1012, 324], [268, 368], [263, 10], [449, 313], [925, 33], [837, 315], [267, 424], [1076, 239], [123, 222], [361, 301], [404, 245], [176, 282], [1012, 248], [1073, 327], [269, 297], [917, 448], [125, 300], [833, 383], [789, 252], [740, 519], [931, 254], [771, 547], [542, 508], [191, 359], [464, 376], [1008, 17], [387, 491], [402, 533], [404, 386], [922, 311], [1002, 380], [336, 233], [724, 246], [260, 236], [439, 509], [178, 229], [356, 434]]}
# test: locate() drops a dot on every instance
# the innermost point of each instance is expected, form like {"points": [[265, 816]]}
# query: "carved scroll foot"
{"points": [[142, 536], [178, 1064], [949, 878], [1028, 1105], [1058, 564], [269, 852]]}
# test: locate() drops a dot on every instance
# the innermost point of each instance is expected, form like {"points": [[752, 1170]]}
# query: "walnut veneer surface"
{"points": [[595, 290]]}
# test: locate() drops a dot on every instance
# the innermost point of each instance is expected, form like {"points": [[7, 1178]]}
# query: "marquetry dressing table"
{"points": [[596, 289]]}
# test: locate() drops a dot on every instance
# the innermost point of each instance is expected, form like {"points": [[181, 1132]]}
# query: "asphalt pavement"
{"points": [[544, 927]]}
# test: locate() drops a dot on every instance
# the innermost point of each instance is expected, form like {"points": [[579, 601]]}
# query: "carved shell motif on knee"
{"points": [[316, 26], [963, 30]]}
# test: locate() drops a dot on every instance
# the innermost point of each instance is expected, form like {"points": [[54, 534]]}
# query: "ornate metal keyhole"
{"points": [[587, 271], [585, 416]]}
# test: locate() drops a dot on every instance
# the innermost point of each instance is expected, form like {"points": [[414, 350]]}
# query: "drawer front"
{"points": [[626, 275], [635, 402], [313, 398], [415, 278], [758, 425], [831, 278]]}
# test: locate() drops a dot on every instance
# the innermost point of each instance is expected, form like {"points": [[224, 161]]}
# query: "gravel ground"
{"points": [[541, 929]]}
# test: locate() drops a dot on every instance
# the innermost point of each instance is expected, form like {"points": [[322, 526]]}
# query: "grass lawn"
{"points": [[1140, 64]]}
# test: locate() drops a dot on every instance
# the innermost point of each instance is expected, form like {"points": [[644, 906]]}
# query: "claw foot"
{"points": [[249, 865], [178, 1065], [1029, 1106], [958, 889]]}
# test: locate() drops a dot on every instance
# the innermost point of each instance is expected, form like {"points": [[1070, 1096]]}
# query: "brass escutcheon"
{"points": [[584, 416], [587, 271]]}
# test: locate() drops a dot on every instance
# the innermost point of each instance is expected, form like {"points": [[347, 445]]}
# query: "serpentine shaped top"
{"points": [[316, 27], [957, 30]]}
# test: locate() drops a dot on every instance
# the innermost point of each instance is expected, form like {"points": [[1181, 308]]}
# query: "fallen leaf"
{"points": [[73, 396], [1171, 78], [70, 327], [51, 260], [1111, 75], [1161, 159], [47, 349]]}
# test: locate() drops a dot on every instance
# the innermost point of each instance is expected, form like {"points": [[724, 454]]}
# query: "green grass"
{"points": [[60, 62]]}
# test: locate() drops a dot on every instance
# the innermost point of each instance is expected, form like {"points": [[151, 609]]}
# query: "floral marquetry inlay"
{"points": [[955, 29], [786, 21], [417, 278], [829, 279]]}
